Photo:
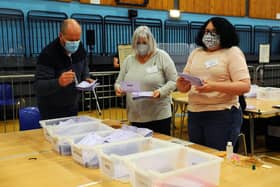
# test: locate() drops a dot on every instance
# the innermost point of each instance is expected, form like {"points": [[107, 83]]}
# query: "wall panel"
{"points": [[264, 9], [153, 4], [218, 7]]}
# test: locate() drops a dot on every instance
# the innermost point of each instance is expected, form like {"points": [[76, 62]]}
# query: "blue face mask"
{"points": [[72, 46]]}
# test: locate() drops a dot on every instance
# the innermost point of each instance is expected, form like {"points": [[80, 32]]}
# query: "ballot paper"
{"points": [[86, 86], [130, 86], [193, 80], [142, 94], [120, 135], [142, 131]]}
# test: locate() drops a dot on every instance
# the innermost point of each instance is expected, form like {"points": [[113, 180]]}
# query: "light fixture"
{"points": [[174, 14]]}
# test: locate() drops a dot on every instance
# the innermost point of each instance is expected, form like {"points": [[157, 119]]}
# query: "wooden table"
{"points": [[27, 159], [262, 109], [180, 103]]}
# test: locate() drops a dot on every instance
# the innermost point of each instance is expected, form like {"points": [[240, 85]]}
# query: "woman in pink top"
{"points": [[214, 114]]}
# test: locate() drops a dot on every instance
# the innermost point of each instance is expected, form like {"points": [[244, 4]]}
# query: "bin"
{"points": [[29, 118]]}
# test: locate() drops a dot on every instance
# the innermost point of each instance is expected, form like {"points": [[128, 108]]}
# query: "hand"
{"points": [[89, 80], [183, 85], [116, 62], [119, 92], [156, 94], [206, 87], [66, 78]]}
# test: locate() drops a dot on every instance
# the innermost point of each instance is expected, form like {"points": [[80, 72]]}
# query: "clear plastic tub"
{"points": [[179, 165], [57, 122], [87, 156], [63, 136], [111, 155]]}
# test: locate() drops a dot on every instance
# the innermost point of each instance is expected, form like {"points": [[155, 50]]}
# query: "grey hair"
{"points": [[145, 33]]}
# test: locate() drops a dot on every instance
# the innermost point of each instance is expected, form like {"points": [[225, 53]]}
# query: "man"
{"points": [[61, 65]]}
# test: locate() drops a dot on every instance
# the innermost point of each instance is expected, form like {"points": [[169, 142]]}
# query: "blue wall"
{"points": [[76, 7]]}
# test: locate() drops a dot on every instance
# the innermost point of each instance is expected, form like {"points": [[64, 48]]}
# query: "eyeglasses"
{"points": [[141, 43], [212, 32]]}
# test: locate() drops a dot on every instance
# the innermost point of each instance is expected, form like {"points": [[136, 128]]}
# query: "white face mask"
{"points": [[211, 40], [142, 49]]}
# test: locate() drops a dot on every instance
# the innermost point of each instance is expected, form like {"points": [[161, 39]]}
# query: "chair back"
{"points": [[6, 94]]}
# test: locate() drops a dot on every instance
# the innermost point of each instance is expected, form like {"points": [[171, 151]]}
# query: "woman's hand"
{"points": [[183, 85], [156, 94], [119, 92]]}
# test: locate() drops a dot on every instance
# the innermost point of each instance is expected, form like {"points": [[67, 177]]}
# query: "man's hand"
{"points": [[66, 78], [89, 80]]}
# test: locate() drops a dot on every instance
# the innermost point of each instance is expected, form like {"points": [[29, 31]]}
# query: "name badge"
{"points": [[211, 63], [152, 69]]}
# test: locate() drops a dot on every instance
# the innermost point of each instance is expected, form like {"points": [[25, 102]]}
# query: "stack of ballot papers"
{"points": [[193, 80], [125, 133], [85, 153], [142, 94], [86, 86]]}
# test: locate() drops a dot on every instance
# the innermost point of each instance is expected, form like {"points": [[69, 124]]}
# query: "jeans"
{"points": [[215, 128]]}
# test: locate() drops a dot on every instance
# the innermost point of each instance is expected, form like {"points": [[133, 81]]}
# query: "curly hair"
{"points": [[228, 35]]}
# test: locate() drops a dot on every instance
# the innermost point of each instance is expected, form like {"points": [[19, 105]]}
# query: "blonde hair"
{"points": [[145, 33]]}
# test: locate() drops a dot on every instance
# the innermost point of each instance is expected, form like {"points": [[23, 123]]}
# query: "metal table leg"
{"points": [[251, 123]]}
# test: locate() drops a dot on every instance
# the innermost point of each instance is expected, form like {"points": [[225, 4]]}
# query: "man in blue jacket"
{"points": [[61, 65]]}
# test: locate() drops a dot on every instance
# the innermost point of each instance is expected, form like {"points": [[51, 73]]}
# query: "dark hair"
{"points": [[228, 36]]}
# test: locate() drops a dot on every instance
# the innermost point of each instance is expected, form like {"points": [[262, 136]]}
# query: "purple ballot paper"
{"points": [[130, 86], [193, 80]]}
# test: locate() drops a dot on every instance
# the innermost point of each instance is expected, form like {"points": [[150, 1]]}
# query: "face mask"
{"points": [[142, 49], [211, 40], [72, 46]]}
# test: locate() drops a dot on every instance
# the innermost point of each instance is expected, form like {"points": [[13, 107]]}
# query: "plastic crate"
{"points": [[87, 155], [111, 155], [57, 122], [62, 137], [183, 164], [268, 93]]}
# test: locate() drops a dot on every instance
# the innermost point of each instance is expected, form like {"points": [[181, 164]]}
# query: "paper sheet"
{"points": [[143, 94], [193, 80], [130, 86], [86, 86]]}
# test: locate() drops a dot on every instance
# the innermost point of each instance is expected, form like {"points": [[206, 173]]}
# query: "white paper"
{"points": [[142, 94], [130, 86], [84, 85], [193, 80]]}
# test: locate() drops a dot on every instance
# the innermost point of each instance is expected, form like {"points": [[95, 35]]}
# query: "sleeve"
{"points": [[122, 72], [170, 74], [45, 81], [237, 65], [189, 61], [85, 73]]}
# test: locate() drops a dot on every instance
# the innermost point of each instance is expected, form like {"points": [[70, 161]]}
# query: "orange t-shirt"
{"points": [[225, 65]]}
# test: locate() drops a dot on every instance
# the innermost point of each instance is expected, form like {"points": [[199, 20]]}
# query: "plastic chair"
{"points": [[29, 118], [6, 99]]}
